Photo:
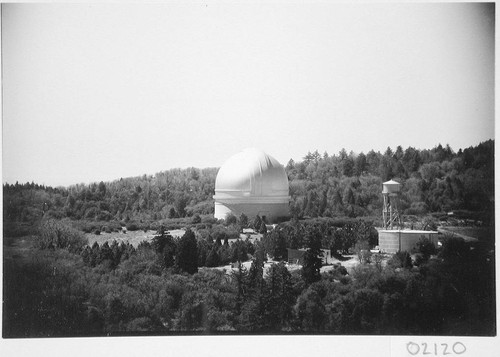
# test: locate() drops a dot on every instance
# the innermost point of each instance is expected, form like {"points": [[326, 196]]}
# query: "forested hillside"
{"points": [[144, 199], [57, 284], [344, 184], [436, 180]]}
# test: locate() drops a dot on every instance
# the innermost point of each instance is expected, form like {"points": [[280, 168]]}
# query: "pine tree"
{"points": [[105, 253], [116, 253], [312, 257], [279, 296], [252, 311], [241, 279], [275, 242], [243, 221], [231, 219], [213, 257], [257, 223], [187, 253], [263, 228]]}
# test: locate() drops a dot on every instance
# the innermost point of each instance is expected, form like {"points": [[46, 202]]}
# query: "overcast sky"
{"points": [[97, 92]]}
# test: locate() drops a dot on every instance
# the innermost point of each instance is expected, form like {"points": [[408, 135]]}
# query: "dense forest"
{"points": [[66, 288], [436, 180], [57, 284]]}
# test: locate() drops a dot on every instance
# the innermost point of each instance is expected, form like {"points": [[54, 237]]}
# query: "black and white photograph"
{"points": [[246, 178]]}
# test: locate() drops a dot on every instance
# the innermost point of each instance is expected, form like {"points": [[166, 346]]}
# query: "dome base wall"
{"points": [[272, 211]]}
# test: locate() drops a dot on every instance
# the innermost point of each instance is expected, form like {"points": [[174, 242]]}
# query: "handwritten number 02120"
{"points": [[435, 349]]}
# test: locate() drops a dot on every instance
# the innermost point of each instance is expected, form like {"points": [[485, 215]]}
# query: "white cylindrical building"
{"points": [[254, 183]]}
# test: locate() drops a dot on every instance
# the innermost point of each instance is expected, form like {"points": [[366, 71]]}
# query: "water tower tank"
{"points": [[391, 187]]}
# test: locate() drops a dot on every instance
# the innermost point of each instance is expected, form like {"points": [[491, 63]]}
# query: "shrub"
{"points": [[106, 229], [310, 311], [17, 229], [363, 252], [419, 259], [104, 216], [365, 275], [196, 219], [90, 227], [142, 324], [132, 227], [429, 223], [417, 208], [231, 219], [209, 219], [55, 214], [345, 280], [338, 271], [378, 261], [366, 315], [92, 212], [54, 234], [453, 248], [243, 220], [400, 260], [97, 232], [425, 247], [86, 228]]}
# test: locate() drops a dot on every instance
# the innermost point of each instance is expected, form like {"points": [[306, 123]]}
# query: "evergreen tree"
{"points": [[172, 213], [241, 279], [196, 219], [275, 242], [252, 311], [213, 257], [203, 251], [243, 221], [187, 253], [218, 241], [238, 251], [231, 219], [312, 257], [224, 254], [347, 166], [165, 246], [263, 228], [116, 253], [169, 251], [102, 189], [360, 165], [279, 297], [257, 223], [105, 253]]}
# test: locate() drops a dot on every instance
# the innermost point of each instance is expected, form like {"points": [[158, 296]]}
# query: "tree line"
{"points": [[209, 245], [343, 184], [170, 194], [435, 180]]}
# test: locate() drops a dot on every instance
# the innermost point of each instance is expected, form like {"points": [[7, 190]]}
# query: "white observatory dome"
{"points": [[254, 183]]}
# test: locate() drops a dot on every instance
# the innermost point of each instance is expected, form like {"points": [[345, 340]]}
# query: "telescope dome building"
{"points": [[254, 183]]}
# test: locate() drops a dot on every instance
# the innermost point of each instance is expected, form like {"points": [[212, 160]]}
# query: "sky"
{"points": [[96, 92]]}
